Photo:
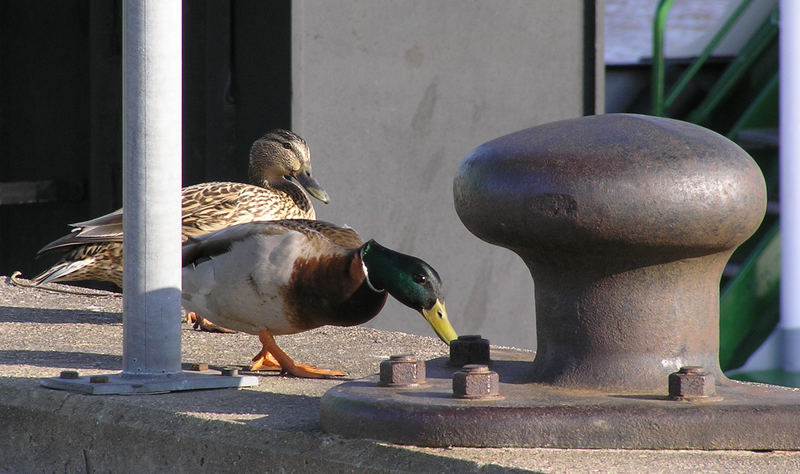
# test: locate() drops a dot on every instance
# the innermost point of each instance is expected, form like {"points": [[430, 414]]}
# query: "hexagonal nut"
{"points": [[469, 349], [476, 381], [691, 382], [229, 371], [402, 370], [68, 374]]}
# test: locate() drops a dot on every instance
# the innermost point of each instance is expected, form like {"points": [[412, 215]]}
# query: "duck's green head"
{"points": [[412, 281], [283, 155]]}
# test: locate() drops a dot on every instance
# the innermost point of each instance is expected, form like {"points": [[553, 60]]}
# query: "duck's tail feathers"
{"points": [[79, 237], [60, 270], [107, 228]]}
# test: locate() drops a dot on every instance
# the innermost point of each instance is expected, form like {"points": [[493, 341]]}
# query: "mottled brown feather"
{"points": [[206, 207], [330, 290]]}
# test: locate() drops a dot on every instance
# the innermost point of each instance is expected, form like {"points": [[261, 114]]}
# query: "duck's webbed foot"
{"points": [[271, 357], [202, 324], [265, 361]]}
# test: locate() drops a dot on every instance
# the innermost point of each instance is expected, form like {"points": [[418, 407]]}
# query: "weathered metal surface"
{"points": [[625, 222], [402, 370], [469, 349], [740, 415], [691, 382], [476, 382]]}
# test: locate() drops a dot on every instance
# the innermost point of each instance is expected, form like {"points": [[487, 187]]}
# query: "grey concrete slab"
{"points": [[271, 427], [392, 95]]}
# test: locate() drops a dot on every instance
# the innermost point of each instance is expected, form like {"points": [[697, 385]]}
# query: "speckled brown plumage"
{"points": [[93, 250]]}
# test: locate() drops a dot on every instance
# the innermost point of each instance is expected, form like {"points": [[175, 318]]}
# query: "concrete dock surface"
{"points": [[273, 427]]}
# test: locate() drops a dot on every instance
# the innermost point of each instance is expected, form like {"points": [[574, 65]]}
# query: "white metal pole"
{"points": [[789, 146], [151, 91], [151, 190]]}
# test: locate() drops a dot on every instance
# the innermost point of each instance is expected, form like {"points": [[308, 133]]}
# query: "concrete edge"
{"points": [[60, 431]]}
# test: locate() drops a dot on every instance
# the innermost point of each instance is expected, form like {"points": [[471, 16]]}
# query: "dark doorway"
{"points": [[61, 110]]}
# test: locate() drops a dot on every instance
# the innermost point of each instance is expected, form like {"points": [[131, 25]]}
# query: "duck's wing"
{"points": [[206, 246], [319, 233], [342, 236]]}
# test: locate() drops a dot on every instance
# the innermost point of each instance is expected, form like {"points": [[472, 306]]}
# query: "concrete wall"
{"points": [[392, 95]]}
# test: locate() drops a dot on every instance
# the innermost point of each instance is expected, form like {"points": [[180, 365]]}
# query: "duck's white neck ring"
{"points": [[366, 272]]}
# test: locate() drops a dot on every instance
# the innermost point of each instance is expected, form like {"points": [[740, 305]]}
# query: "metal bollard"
{"points": [[626, 223]]}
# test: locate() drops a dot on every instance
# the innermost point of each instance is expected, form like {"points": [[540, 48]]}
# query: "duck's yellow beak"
{"points": [[437, 318]]}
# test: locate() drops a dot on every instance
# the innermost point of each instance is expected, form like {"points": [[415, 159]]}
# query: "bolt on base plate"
{"points": [[118, 384], [739, 415]]}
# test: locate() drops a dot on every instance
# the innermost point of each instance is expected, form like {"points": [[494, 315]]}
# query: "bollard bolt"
{"points": [[476, 381], [402, 370], [470, 349], [691, 382], [69, 374], [229, 371]]}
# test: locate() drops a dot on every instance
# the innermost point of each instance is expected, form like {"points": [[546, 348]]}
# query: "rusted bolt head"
{"points": [[199, 367], [229, 371], [691, 382], [98, 379], [469, 349], [476, 381], [69, 374], [402, 370]]}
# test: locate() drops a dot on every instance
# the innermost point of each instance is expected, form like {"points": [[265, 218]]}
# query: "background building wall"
{"points": [[392, 95]]}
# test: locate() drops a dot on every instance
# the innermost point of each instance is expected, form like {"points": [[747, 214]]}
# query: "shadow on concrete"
{"points": [[253, 408], [76, 360], [11, 314]]}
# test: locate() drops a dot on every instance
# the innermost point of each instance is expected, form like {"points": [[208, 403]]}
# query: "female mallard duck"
{"points": [[94, 248], [289, 276]]}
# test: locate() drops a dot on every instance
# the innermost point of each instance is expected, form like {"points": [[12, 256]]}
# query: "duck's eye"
{"points": [[420, 279], [287, 145]]}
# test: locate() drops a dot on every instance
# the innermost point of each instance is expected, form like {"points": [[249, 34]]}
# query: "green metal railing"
{"points": [[660, 104], [767, 34], [749, 305]]}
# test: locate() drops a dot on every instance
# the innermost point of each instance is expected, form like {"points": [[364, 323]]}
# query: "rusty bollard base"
{"points": [[531, 414]]}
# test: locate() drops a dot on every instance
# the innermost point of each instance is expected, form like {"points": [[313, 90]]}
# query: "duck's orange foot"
{"points": [[308, 371], [273, 357], [203, 324], [265, 361]]}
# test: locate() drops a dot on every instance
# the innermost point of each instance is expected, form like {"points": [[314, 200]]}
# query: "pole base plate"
{"points": [[119, 384]]}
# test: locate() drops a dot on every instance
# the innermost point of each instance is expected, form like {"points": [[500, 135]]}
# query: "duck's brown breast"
{"points": [[330, 290]]}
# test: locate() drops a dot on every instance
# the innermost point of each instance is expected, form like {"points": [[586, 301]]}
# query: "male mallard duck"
{"points": [[289, 276], [94, 248]]}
